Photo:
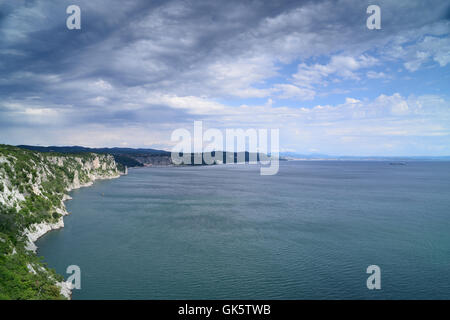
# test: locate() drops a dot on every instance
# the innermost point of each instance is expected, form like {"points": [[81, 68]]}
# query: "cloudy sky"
{"points": [[137, 70]]}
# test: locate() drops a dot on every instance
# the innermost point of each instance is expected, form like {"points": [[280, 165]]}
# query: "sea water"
{"points": [[226, 232]]}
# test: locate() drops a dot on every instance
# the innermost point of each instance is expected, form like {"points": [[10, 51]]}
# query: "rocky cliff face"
{"points": [[33, 188]]}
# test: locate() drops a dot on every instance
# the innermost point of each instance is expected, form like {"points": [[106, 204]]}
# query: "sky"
{"points": [[138, 70]]}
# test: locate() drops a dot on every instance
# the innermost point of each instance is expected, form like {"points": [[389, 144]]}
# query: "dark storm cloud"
{"points": [[133, 43], [156, 43]]}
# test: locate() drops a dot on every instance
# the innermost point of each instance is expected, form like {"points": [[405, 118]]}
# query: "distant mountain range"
{"points": [[319, 156]]}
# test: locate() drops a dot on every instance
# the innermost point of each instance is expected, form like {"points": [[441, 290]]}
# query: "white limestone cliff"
{"points": [[75, 172]]}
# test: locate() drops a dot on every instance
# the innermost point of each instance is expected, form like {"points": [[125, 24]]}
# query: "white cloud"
{"points": [[289, 91], [102, 84], [351, 100], [344, 67], [376, 75], [427, 50], [194, 105], [396, 103], [353, 127]]}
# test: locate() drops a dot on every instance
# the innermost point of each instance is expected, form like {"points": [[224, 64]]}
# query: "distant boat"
{"points": [[397, 163]]}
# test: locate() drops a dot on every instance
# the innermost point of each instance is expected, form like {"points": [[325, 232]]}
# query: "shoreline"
{"points": [[36, 231]]}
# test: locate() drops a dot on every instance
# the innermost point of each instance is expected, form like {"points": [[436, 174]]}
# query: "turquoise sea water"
{"points": [[217, 232]]}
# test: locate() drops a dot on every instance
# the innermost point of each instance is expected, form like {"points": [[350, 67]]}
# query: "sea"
{"points": [[226, 232]]}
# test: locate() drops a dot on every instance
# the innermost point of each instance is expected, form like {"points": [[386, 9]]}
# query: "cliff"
{"points": [[33, 187]]}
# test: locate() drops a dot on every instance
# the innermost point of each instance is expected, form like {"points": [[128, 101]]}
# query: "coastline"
{"points": [[36, 231]]}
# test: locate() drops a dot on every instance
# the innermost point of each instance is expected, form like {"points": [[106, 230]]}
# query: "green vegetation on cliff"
{"points": [[22, 274], [32, 188]]}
